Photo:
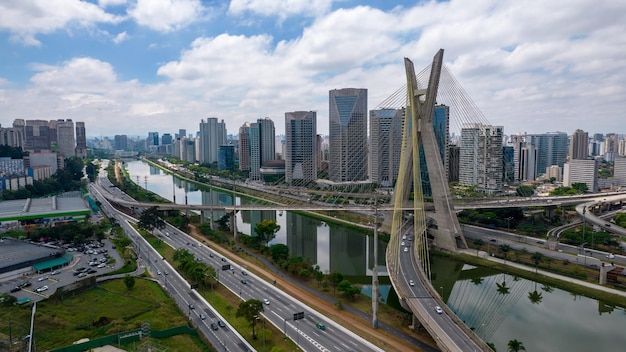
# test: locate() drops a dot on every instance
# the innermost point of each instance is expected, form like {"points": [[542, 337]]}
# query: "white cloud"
{"points": [[166, 15], [121, 37], [280, 8], [537, 66], [27, 18], [110, 3]]}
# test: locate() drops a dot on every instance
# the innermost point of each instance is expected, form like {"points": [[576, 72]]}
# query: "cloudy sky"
{"points": [[133, 66]]}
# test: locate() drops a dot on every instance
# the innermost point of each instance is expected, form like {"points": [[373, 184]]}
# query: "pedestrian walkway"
{"points": [[484, 255]]}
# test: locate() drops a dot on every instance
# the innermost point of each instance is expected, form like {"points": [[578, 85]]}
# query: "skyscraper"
{"points": [[578, 146], [301, 154], [262, 142], [348, 135], [244, 147], [65, 137], [81, 140], [481, 157], [212, 135], [385, 145]]}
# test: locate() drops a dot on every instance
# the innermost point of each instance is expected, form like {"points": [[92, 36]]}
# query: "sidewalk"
{"points": [[482, 254]]}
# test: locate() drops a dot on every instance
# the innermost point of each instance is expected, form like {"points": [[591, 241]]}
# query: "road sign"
{"points": [[298, 316], [226, 267]]}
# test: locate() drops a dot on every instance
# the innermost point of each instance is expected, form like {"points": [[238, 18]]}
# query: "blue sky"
{"points": [[133, 66]]}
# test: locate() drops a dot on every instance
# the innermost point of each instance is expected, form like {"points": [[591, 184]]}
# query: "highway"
{"points": [[279, 312]]}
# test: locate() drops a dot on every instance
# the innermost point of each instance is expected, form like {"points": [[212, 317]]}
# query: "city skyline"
{"points": [[129, 67]]}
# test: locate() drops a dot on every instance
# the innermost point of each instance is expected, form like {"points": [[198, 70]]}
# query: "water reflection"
{"points": [[501, 307], [333, 248]]}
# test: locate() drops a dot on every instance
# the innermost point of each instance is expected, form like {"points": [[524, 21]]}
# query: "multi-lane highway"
{"points": [[280, 310]]}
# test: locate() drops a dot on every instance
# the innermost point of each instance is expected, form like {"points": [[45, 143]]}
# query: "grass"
{"points": [[107, 309]]}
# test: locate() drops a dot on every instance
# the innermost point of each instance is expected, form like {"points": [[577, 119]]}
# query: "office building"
{"points": [[121, 142], [166, 139], [480, 161], [619, 171], [81, 140], [348, 135], [36, 135], [579, 145], [262, 139], [301, 156], [226, 157], [385, 145], [65, 137], [581, 171], [212, 135]]}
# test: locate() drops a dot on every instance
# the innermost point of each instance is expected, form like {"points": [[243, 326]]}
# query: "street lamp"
{"points": [[441, 288], [584, 218]]}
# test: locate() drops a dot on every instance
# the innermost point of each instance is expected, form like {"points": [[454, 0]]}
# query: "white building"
{"points": [[480, 160], [581, 171]]}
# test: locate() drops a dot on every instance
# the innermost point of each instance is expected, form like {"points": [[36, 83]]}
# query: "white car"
{"points": [[402, 243], [43, 278], [406, 249], [266, 301], [102, 265], [438, 310], [411, 283], [42, 288]]}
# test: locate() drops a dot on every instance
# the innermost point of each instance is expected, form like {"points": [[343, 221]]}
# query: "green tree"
{"points": [[279, 252], [92, 171], [492, 346], [535, 296], [580, 186], [129, 281], [250, 310], [505, 248], [335, 278], [266, 230], [515, 346], [348, 289], [150, 219], [524, 191]]}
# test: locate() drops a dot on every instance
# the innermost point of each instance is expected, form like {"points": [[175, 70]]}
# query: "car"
{"points": [[492, 240], [167, 234], [43, 278], [92, 271], [244, 281], [214, 326], [321, 326], [244, 273], [158, 272], [438, 310], [211, 255], [25, 284], [83, 274], [223, 259], [42, 288], [406, 249], [15, 289], [102, 265], [610, 256], [540, 242], [165, 272], [221, 324], [56, 272], [266, 301], [411, 283], [202, 316], [404, 237], [402, 243], [191, 306]]}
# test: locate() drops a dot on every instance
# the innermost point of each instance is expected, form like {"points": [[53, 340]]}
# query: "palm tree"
{"points": [[515, 346], [535, 296], [477, 280], [537, 258]]}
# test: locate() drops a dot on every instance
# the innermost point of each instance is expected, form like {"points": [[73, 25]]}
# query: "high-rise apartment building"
{"points": [[166, 139], [579, 145], [481, 157], [65, 138], [12, 136], [301, 156], [212, 135], [385, 145], [81, 140], [534, 153], [348, 135], [244, 147], [619, 171]]}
